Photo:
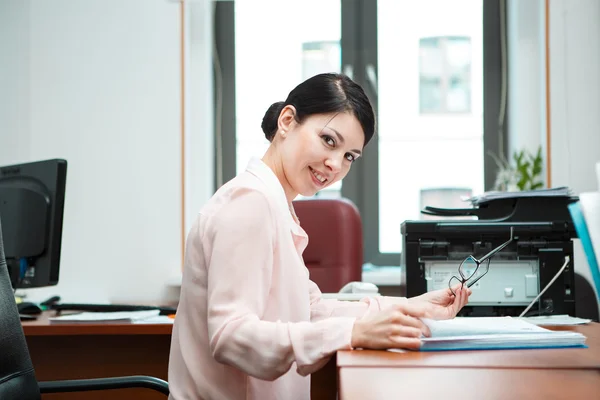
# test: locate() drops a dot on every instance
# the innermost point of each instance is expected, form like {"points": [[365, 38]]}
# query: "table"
{"points": [[98, 350], [497, 374], [72, 351]]}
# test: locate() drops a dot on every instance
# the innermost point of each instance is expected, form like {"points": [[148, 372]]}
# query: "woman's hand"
{"points": [[442, 304], [398, 326]]}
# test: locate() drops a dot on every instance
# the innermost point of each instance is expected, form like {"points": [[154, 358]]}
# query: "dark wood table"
{"points": [[495, 374]]}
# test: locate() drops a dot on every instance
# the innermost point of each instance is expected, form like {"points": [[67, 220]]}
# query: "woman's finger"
{"points": [[399, 342], [462, 300], [406, 319], [406, 331], [456, 287], [458, 302], [466, 297], [409, 321]]}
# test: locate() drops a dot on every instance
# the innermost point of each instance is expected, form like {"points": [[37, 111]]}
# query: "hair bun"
{"points": [[269, 122]]}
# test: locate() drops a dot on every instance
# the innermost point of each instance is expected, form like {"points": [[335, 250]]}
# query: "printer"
{"points": [[542, 239]]}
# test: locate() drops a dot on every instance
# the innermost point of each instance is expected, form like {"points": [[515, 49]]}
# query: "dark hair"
{"points": [[322, 94]]}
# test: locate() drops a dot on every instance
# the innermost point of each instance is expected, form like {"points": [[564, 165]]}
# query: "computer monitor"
{"points": [[32, 197]]}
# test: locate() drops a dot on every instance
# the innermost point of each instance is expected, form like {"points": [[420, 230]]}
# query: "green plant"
{"points": [[529, 168], [524, 175]]}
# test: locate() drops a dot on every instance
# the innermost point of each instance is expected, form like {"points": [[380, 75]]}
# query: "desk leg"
{"points": [[324, 382]]}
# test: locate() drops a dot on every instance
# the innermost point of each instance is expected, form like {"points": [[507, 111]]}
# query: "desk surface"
{"points": [[499, 374], [580, 358], [42, 327]]}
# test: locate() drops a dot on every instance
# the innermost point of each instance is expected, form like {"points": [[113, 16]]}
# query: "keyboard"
{"points": [[110, 307]]}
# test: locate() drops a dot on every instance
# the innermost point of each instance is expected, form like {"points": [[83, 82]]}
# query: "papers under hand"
{"points": [[118, 316], [463, 333]]}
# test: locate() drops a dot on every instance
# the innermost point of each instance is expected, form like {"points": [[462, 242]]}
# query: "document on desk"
{"points": [[487, 333], [99, 317]]}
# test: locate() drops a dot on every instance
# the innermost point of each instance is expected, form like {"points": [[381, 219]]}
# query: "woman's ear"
{"points": [[286, 120]]}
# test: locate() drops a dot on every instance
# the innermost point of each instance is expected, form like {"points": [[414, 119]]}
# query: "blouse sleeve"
{"points": [[326, 308], [239, 247]]}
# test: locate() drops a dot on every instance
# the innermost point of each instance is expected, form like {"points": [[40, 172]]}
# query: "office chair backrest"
{"points": [[17, 378], [334, 255], [586, 304]]}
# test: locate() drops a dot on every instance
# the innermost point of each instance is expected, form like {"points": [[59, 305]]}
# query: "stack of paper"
{"points": [[464, 333], [118, 316], [495, 195]]}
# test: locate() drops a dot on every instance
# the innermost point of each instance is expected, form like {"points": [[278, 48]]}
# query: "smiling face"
{"points": [[318, 152]]}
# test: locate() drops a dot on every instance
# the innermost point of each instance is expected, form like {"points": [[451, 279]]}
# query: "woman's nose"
{"points": [[334, 164]]}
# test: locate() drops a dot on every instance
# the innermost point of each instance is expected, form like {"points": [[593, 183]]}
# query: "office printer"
{"points": [[543, 233]]}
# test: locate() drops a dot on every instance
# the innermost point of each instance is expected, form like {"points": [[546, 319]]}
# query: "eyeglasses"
{"points": [[471, 270]]}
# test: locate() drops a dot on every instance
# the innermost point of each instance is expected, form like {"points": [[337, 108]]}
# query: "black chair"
{"points": [[17, 376], [586, 304]]}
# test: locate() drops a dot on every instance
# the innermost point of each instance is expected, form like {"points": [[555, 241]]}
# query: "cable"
{"points": [[567, 260]]}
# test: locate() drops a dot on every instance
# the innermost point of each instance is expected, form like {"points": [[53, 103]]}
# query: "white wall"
{"points": [[575, 99], [97, 82], [575, 92], [14, 78], [574, 54]]}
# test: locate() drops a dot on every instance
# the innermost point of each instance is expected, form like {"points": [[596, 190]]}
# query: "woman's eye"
{"points": [[329, 140], [350, 157]]}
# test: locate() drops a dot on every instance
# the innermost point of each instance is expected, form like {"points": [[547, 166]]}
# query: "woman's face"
{"points": [[320, 151]]}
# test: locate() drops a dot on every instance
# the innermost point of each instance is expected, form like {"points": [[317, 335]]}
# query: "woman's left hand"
{"points": [[442, 304]]}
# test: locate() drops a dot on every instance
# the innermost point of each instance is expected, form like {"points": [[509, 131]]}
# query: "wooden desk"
{"points": [[500, 374], [78, 351], [74, 351]]}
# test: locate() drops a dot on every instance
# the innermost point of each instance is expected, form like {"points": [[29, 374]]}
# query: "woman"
{"points": [[250, 323]]}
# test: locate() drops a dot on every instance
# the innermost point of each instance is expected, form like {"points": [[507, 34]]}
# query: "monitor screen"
{"points": [[32, 197]]}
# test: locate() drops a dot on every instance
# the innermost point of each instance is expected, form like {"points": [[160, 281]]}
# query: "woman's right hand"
{"points": [[398, 326]]}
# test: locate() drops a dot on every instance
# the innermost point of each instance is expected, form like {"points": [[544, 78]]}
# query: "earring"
{"points": [[282, 133]]}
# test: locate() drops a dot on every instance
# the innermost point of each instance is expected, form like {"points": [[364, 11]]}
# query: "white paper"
{"points": [[473, 333], [159, 319], [462, 326], [556, 320], [118, 316]]}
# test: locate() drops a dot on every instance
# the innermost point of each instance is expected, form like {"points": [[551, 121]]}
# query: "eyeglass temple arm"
{"points": [[474, 281], [499, 248]]}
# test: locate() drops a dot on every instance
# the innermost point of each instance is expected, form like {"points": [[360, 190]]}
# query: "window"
{"points": [[271, 58], [430, 126], [319, 57], [430, 76], [445, 74]]}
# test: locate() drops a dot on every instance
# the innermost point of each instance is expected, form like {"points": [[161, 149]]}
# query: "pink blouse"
{"points": [[250, 323]]}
